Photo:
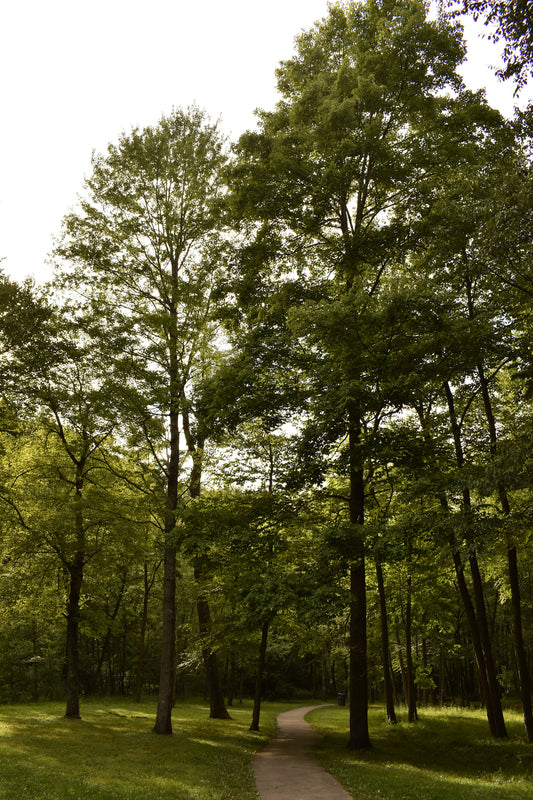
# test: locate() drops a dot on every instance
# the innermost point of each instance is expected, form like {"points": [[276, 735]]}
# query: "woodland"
{"points": [[267, 433]]}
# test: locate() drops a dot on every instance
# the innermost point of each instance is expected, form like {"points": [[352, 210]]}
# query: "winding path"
{"points": [[286, 768]]}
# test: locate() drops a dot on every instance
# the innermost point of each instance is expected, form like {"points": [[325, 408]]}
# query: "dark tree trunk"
{"points": [[491, 686], [385, 648], [324, 675], [359, 736], [521, 655], [403, 672], [412, 713], [499, 729], [231, 685], [142, 638], [165, 700], [514, 582], [106, 645], [217, 704], [73, 621], [148, 583], [254, 726]]}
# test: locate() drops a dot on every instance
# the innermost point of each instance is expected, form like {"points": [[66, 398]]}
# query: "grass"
{"points": [[112, 754], [447, 755]]}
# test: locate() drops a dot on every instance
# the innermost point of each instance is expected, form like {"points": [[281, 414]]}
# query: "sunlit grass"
{"points": [[447, 755], [112, 754]]}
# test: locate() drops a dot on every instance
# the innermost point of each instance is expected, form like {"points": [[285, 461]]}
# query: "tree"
{"points": [[512, 21], [144, 251], [333, 171]]}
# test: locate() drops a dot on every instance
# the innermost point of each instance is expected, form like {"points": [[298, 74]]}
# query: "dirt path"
{"points": [[286, 768]]}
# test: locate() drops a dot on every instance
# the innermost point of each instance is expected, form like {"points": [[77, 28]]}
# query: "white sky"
{"points": [[75, 74]]}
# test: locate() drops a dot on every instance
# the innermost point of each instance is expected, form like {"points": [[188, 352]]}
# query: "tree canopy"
{"points": [[268, 430]]}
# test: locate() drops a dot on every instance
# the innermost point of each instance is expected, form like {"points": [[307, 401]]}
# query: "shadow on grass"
{"points": [[447, 755], [112, 754]]}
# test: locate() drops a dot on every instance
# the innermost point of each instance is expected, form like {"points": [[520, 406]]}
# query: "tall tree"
{"points": [[143, 252], [334, 170]]}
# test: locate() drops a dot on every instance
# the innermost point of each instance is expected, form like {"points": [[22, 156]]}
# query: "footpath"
{"points": [[286, 768]]}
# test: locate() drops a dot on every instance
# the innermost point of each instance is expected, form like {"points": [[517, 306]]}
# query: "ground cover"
{"points": [[112, 754], [447, 755]]}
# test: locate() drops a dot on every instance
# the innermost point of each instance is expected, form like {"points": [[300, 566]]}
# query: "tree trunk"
{"points": [[73, 620], [521, 655], [512, 567], [217, 704], [499, 730], [165, 700], [494, 706], [359, 736], [254, 726], [142, 637], [324, 675], [412, 713], [75, 569], [385, 648]]}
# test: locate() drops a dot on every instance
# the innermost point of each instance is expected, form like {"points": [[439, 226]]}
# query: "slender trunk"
{"points": [[324, 675], [75, 569], [165, 700], [385, 648], [163, 722], [141, 647], [217, 704], [494, 707], [231, 687], [73, 619], [512, 568], [499, 729], [254, 726], [442, 677], [106, 645], [359, 736], [474, 634], [410, 678], [521, 655], [403, 673], [142, 639]]}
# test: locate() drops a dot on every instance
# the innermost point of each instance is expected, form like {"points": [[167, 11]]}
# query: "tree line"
{"points": [[269, 427]]}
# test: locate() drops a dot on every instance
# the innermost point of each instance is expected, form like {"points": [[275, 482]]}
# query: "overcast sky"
{"points": [[75, 74]]}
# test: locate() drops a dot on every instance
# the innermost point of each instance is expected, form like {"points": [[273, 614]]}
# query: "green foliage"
{"points": [[510, 20]]}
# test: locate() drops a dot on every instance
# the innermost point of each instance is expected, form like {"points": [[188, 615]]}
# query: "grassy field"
{"points": [[447, 755], [112, 754]]}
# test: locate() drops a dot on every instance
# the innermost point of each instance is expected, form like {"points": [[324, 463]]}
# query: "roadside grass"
{"points": [[112, 753], [447, 755]]}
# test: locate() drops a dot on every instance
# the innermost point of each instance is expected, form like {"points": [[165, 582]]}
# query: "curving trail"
{"points": [[286, 768]]}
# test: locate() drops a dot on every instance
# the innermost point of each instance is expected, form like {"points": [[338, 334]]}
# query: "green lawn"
{"points": [[112, 754], [447, 755]]}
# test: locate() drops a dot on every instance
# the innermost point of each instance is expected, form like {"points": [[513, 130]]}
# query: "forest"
{"points": [[267, 433]]}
